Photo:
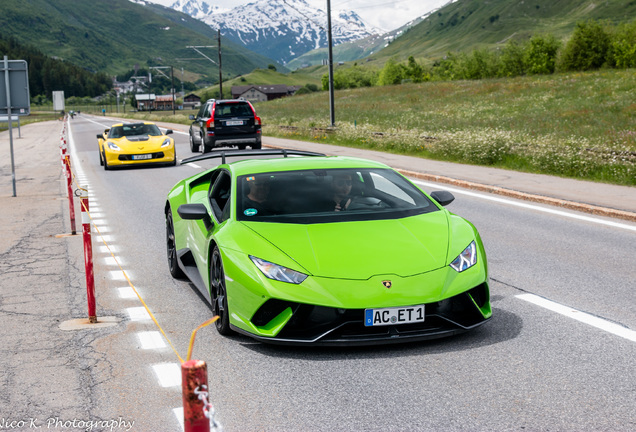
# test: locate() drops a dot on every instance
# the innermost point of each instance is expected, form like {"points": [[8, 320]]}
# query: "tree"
{"points": [[391, 73], [587, 48], [540, 55], [623, 46]]}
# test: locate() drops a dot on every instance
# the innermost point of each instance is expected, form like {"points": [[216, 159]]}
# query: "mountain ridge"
{"points": [[280, 29], [113, 36]]}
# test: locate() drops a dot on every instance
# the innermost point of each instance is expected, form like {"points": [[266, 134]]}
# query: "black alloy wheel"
{"points": [[106, 167], [173, 264], [219, 293]]}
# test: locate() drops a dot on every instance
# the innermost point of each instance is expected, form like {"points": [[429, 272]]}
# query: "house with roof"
{"points": [[191, 101], [147, 102], [261, 93]]}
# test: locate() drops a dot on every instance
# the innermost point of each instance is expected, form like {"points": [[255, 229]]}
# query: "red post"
{"points": [[69, 186], [88, 256], [196, 404]]}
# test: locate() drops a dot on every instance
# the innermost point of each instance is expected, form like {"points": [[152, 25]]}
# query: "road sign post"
{"points": [[14, 98]]}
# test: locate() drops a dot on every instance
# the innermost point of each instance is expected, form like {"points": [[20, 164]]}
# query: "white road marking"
{"points": [[127, 293], [110, 261], [151, 340], [138, 313], [168, 374], [98, 222], [529, 206], [178, 413], [107, 238], [583, 317], [108, 249], [118, 275]]}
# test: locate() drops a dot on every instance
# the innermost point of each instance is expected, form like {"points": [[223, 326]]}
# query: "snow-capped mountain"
{"points": [[197, 9], [279, 29]]}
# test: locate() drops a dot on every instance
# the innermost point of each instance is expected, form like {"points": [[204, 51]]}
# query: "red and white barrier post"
{"points": [[88, 256], [69, 186], [196, 404], [63, 149]]}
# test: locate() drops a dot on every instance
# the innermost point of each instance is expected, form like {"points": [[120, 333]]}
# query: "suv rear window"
{"points": [[233, 110]]}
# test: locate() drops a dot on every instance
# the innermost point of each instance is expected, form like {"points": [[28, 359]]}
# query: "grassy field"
{"points": [[578, 125]]}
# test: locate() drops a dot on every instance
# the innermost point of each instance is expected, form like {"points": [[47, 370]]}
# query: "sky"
{"points": [[385, 14]]}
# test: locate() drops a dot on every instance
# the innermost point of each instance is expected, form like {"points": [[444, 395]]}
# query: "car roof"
{"points": [[130, 124], [255, 166], [221, 101]]}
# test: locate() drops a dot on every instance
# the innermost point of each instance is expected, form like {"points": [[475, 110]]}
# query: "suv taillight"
{"points": [[210, 122], [257, 120]]}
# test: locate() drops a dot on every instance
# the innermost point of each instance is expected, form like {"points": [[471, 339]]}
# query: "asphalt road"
{"points": [[566, 365]]}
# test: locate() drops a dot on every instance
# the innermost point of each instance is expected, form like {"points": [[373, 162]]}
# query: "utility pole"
{"points": [[220, 73], [149, 92], [172, 77], [332, 115]]}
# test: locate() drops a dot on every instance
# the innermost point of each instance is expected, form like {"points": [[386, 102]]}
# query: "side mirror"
{"points": [[100, 136], [443, 197], [169, 131], [192, 211], [191, 116], [195, 212]]}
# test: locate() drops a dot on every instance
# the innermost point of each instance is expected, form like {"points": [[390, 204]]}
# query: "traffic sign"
{"points": [[16, 82]]}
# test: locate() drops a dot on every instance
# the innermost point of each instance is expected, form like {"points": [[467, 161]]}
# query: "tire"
{"points": [[256, 145], [173, 263], [106, 167], [218, 293], [205, 148], [193, 147], [101, 161]]}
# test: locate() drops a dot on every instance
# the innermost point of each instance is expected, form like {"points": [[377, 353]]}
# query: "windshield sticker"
{"points": [[250, 212]]}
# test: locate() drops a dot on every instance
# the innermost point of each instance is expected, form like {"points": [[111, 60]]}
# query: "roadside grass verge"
{"points": [[578, 125]]}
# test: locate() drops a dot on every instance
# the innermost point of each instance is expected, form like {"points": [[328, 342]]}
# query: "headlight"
{"points": [[279, 273], [112, 146], [466, 259], [166, 142]]}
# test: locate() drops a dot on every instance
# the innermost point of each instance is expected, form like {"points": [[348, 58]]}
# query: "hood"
{"points": [[363, 249], [138, 138]]}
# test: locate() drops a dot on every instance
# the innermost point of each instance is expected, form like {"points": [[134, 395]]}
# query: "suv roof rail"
{"points": [[234, 153]]}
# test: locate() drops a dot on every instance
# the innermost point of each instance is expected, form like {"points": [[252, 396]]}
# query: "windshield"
{"points": [[233, 109], [333, 195], [133, 129]]}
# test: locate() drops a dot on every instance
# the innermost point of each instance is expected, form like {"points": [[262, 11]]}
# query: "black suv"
{"points": [[222, 123]]}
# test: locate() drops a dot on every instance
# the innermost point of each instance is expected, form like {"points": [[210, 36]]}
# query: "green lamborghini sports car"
{"points": [[302, 248]]}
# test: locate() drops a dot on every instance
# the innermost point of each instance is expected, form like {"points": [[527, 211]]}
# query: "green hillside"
{"points": [[467, 24], [310, 75], [351, 51], [113, 36]]}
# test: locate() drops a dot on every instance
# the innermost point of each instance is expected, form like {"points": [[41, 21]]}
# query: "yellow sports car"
{"points": [[135, 143]]}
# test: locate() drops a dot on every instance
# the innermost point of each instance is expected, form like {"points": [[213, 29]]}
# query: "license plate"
{"points": [[393, 316], [142, 157], [234, 123]]}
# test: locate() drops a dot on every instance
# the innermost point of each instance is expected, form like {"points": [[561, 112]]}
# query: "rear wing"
{"points": [[251, 153]]}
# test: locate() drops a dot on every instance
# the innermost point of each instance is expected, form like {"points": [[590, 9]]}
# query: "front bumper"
{"points": [[165, 156], [326, 326]]}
